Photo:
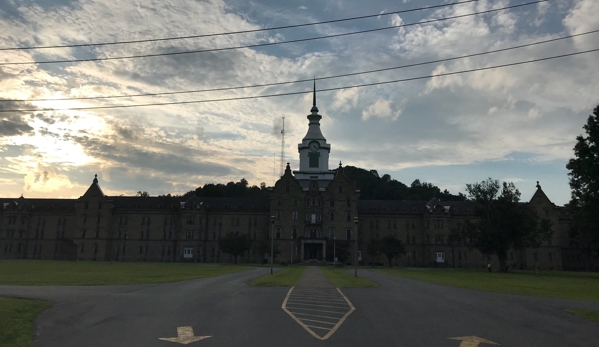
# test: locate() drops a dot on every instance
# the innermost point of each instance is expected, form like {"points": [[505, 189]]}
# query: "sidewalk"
{"points": [[313, 277]]}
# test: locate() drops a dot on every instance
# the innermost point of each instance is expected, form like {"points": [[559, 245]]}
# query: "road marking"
{"points": [[184, 336], [315, 301], [317, 321], [339, 307], [315, 315], [290, 307], [472, 341]]}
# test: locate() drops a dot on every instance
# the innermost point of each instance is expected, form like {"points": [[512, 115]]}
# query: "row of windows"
{"points": [[313, 202]]}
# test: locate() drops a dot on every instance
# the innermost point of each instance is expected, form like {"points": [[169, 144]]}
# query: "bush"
{"points": [[283, 263]]}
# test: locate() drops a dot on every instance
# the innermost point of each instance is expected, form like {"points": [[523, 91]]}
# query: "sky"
{"points": [[516, 123]]}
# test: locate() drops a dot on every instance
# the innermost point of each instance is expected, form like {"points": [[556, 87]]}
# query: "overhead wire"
{"points": [[240, 31], [302, 92], [270, 43], [310, 79]]}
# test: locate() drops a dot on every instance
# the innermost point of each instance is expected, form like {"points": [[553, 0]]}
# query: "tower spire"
{"points": [[314, 93], [314, 108]]}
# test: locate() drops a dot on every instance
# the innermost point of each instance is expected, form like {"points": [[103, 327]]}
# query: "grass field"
{"points": [[342, 279], [553, 284], [592, 315], [49, 272], [16, 321], [287, 277]]}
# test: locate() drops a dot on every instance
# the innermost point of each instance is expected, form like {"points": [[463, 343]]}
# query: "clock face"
{"points": [[314, 146]]}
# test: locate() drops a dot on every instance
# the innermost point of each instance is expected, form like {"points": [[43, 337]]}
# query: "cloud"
{"points": [[380, 109], [14, 123], [45, 179]]}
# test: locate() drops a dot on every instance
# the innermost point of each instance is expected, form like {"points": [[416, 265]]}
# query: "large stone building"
{"points": [[315, 212]]}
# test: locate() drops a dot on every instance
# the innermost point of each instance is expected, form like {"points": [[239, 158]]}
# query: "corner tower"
{"points": [[314, 150]]}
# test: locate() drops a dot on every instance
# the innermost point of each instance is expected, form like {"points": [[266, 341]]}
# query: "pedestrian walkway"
{"points": [[313, 277], [316, 305]]}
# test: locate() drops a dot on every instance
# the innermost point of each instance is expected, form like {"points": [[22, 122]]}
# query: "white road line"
{"points": [[317, 305], [293, 297], [317, 321], [308, 328], [315, 315], [308, 309]]}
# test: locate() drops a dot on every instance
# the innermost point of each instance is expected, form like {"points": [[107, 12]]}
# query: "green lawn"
{"points": [[342, 279], [49, 272], [553, 284], [287, 277], [16, 321], [592, 315]]}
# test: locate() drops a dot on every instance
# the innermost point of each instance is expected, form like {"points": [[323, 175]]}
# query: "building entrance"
{"points": [[313, 251]]}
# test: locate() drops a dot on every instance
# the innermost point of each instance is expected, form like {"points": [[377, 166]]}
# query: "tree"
{"points": [[235, 244], [503, 222], [391, 247], [373, 249], [143, 194], [584, 182]]}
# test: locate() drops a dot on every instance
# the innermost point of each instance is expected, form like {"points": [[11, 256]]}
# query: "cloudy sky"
{"points": [[515, 123]]}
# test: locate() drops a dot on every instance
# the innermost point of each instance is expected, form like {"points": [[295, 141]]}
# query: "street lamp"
{"points": [[125, 249], [272, 240], [291, 250], [334, 254], [356, 246]]}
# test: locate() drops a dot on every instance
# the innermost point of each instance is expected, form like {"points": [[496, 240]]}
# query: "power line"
{"points": [[272, 43], [237, 32], [302, 92], [307, 80]]}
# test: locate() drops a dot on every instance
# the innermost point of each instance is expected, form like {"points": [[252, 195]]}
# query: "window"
{"points": [[294, 215], [187, 253], [279, 202], [331, 233], [313, 159], [278, 214], [278, 234], [332, 216], [294, 233], [83, 233], [319, 216], [440, 257], [332, 203], [438, 239], [348, 216], [340, 188], [348, 202], [307, 217], [348, 234]]}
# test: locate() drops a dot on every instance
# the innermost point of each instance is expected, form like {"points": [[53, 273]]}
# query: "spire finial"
{"points": [[96, 178], [314, 108], [314, 93]]}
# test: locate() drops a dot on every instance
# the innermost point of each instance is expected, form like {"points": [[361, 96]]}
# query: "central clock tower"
{"points": [[314, 150]]}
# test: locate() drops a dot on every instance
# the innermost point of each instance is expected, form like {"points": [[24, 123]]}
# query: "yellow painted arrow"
{"points": [[472, 341], [184, 336]]}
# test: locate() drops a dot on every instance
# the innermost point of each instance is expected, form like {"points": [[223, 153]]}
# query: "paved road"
{"points": [[400, 312]]}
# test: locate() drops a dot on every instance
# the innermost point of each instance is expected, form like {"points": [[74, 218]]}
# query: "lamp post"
{"points": [[125, 248], [272, 240], [291, 250], [356, 246], [334, 254]]}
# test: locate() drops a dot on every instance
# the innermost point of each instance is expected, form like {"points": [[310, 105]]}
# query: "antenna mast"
{"points": [[282, 165]]}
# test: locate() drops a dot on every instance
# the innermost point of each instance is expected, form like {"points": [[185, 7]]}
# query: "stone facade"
{"points": [[313, 217]]}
